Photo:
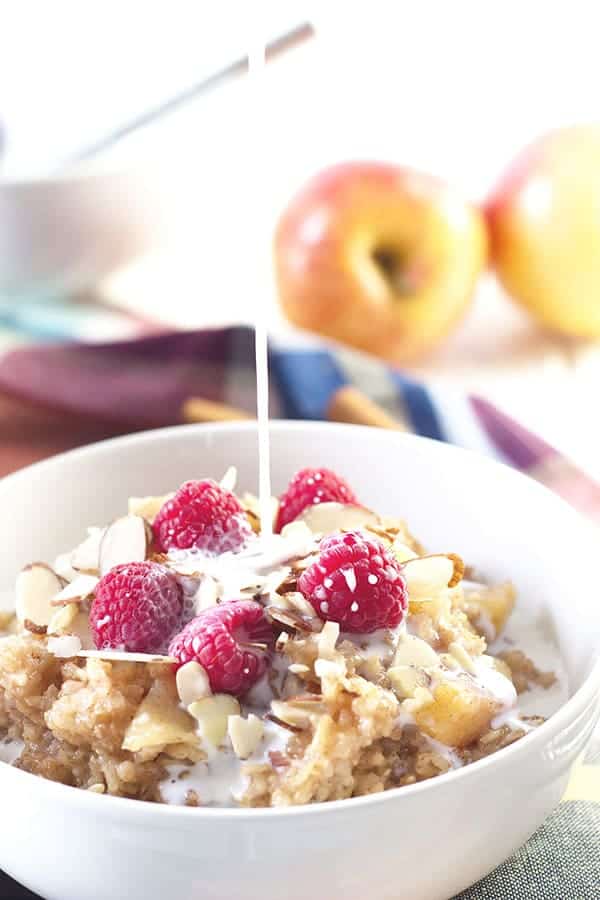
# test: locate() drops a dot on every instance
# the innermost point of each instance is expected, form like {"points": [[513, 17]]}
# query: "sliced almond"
{"points": [[402, 551], [299, 602], [86, 557], [272, 582], [212, 714], [327, 640], [288, 714], [192, 683], [327, 518], [300, 565], [81, 627], [63, 568], [281, 641], [245, 734], [299, 539], [159, 720], [33, 628], [428, 576], [63, 618], [124, 541], [298, 668], [229, 479], [459, 569], [271, 717], [251, 505], [329, 668], [147, 507], [64, 646], [97, 788], [308, 700], [36, 585], [289, 618], [253, 520], [77, 590], [412, 651], [124, 656]]}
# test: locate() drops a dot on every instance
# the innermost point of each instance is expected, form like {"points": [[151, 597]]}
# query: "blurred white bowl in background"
{"points": [[63, 234]]}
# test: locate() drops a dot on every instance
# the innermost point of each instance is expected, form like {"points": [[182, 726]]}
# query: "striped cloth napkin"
{"points": [[145, 381]]}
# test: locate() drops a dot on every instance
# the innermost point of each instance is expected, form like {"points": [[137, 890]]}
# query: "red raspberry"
{"points": [[310, 486], [356, 582], [137, 607], [223, 640], [204, 515]]}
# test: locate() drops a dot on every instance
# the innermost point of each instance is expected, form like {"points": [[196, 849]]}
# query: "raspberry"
{"points": [[204, 515], [224, 640], [356, 582], [310, 486], [137, 607]]}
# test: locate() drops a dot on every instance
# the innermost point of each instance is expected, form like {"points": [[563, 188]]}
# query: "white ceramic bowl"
{"points": [[423, 842], [63, 234]]}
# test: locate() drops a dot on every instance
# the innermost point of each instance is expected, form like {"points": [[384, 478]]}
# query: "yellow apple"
{"points": [[379, 257], [544, 220]]}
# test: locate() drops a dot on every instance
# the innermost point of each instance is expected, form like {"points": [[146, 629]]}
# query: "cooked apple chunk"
{"points": [[459, 713]]}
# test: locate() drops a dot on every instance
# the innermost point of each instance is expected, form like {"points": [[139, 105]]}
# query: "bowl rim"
{"points": [[583, 699], [79, 172]]}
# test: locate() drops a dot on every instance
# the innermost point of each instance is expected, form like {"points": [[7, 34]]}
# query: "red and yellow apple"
{"points": [[378, 257], [544, 221]]}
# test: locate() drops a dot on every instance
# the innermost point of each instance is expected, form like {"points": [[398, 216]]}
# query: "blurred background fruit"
{"points": [[379, 257], [544, 219], [347, 93]]}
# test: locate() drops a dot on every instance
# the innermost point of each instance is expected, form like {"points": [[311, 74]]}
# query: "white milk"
{"points": [[536, 638], [220, 781], [256, 64], [10, 750], [262, 410]]}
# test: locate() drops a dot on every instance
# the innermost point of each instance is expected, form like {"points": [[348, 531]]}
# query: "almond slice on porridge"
{"points": [[35, 589], [126, 540]]}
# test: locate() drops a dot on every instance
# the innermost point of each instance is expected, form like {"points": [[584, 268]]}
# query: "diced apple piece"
{"points": [[496, 602], [427, 576], [212, 715], [459, 714]]}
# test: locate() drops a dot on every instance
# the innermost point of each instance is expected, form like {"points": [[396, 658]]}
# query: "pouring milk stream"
{"points": [[256, 65]]}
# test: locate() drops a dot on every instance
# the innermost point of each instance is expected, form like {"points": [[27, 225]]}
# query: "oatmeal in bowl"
{"points": [[188, 654], [293, 722]]}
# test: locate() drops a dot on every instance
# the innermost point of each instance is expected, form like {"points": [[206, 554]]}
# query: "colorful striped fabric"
{"points": [[144, 382]]}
